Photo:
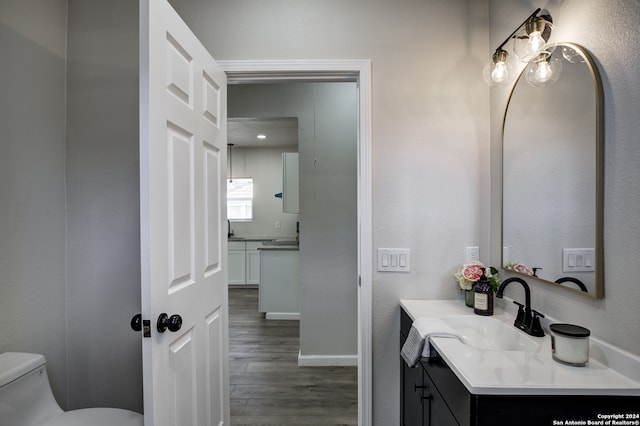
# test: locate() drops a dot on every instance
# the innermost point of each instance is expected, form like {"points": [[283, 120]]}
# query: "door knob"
{"points": [[136, 322], [173, 322]]}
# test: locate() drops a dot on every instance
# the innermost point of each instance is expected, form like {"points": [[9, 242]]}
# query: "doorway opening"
{"points": [[359, 72]]}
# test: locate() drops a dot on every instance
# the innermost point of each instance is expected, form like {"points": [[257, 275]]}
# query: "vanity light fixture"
{"points": [[261, 136], [529, 41]]}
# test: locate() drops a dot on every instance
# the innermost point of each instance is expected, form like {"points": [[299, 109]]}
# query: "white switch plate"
{"points": [[471, 254], [394, 260], [278, 225], [578, 260]]}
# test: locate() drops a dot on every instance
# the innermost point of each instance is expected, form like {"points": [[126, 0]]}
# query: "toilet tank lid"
{"points": [[16, 364]]}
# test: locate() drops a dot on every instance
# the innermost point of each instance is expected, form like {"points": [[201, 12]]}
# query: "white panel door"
{"points": [[182, 193]]}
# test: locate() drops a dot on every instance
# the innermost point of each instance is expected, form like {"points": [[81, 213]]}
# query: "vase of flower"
{"points": [[469, 298], [469, 275]]}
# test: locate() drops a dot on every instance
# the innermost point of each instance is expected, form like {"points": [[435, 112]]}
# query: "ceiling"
{"points": [[279, 131]]}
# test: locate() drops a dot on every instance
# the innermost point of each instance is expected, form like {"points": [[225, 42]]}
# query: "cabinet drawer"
{"points": [[236, 245], [254, 245]]}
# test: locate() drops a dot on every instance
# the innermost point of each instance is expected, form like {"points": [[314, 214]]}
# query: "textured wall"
{"points": [[32, 182], [103, 284], [609, 30]]}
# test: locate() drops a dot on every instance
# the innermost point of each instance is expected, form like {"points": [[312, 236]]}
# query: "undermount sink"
{"points": [[490, 334]]}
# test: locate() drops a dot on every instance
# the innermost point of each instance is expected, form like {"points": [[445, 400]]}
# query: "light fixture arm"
{"points": [[533, 15]]}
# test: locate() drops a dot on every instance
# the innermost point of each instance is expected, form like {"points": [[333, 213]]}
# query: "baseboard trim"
{"points": [[287, 316], [327, 360]]}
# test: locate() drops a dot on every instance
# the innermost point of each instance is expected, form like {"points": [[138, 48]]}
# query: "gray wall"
{"points": [[69, 251], [328, 234], [32, 182], [430, 130], [610, 33], [103, 284]]}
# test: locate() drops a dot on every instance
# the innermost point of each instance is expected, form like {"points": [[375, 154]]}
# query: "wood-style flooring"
{"points": [[267, 386]]}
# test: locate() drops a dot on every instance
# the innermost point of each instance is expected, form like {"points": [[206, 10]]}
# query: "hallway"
{"points": [[267, 386]]}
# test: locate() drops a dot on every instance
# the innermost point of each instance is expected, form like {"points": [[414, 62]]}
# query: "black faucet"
{"points": [[576, 281], [527, 320], [229, 230]]}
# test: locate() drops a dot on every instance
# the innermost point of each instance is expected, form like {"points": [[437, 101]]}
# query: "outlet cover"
{"points": [[471, 254]]}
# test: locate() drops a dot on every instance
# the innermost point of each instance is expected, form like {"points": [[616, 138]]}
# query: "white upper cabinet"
{"points": [[290, 186]]}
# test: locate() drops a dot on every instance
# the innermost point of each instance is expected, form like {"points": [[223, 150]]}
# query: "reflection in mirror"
{"points": [[552, 177]]}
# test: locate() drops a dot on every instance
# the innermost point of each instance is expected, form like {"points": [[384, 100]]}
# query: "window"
{"points": [[240, 199]]}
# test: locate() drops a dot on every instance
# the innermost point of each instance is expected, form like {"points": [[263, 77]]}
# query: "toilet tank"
{"points": [[25, 394]]}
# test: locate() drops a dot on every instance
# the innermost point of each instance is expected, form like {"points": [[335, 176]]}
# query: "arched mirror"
{"points": [[552, 176]]}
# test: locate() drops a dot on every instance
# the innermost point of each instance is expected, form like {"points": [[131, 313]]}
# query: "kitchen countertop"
{"points": [[610, 370], [250, 239], [275, 248]]}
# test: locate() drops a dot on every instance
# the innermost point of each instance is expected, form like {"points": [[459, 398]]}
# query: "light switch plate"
{"points": [[578, 259], [394, 260]]}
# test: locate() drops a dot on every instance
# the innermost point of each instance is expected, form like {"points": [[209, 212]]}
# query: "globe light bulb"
{"points": [[530, 40], [536, 43], [499, 73], [544, 71], [499, 70]]}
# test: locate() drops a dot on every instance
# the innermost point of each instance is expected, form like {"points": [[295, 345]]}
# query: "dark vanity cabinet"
{"points": [[432, 395], [421, 402]]}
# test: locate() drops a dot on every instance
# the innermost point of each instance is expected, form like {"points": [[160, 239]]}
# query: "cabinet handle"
{"points": [[416, 387], [427, 397]]}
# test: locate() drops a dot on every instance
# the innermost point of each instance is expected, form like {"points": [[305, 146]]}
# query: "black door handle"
{"points": [[136, 322], [173, 322]]}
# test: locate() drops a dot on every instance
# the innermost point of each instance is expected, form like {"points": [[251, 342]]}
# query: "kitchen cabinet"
{"points": [[432, 395], [279, 278], [252, 262], [236, 261], [244, 262], [290, 183]]}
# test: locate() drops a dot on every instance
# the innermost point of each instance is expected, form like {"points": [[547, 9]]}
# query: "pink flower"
{"points": [[472, 271], [519, 267], [470, 274]]}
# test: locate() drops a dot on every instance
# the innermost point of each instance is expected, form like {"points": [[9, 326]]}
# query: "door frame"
{"points": [[359, 70]]}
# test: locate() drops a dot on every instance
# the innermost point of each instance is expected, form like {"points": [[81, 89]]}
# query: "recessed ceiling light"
{"points": [[262, 136]]}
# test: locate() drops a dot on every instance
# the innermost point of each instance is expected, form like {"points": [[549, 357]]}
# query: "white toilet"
{"points": [[26, 398]]}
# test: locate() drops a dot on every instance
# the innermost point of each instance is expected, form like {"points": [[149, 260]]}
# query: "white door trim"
{"points": [[327, 70]]}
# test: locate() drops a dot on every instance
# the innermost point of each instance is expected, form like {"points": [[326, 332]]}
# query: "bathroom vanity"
{"points": [[461, 384]]}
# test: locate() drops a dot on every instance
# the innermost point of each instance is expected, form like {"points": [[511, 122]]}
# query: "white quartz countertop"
{"points": [[532, 372]]}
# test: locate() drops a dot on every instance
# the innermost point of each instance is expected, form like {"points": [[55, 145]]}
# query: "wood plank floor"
{"points": [[267, 386]]}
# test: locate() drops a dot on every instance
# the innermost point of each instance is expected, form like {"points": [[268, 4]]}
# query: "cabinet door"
{"points": [[437, 413], [411, 407], [290, 185], [252, 266], [236, 262]]}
